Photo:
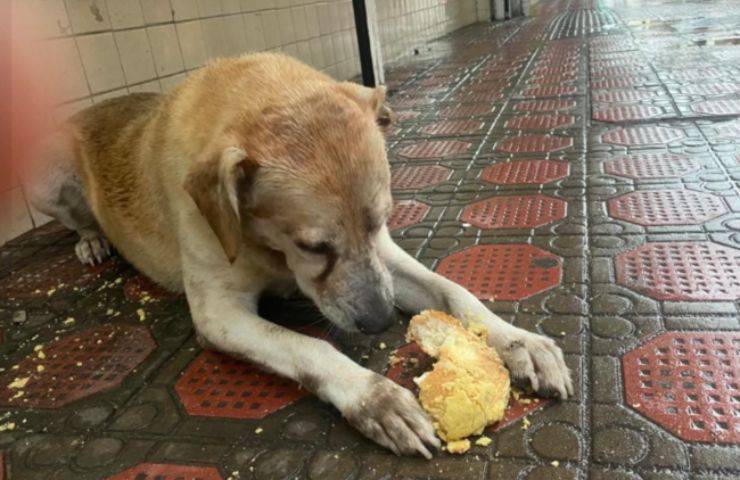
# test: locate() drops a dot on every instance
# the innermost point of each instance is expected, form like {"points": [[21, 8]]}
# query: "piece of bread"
{"points": [[468, 387]]}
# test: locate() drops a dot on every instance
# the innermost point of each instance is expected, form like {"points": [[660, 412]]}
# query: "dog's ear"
{"points": [[216, 183], [372, 98]]}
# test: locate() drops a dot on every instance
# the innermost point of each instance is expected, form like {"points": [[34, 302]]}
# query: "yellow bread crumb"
{"points": [[468, 387], [19, 382], [483, 441], [458, 446]]}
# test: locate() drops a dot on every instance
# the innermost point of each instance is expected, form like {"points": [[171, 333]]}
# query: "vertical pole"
{"points": [[368, 42], [499, 10]]}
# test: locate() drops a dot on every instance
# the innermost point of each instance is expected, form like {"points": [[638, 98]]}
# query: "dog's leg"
{"points": [[527, 355], [56, 190], [226, 320]]}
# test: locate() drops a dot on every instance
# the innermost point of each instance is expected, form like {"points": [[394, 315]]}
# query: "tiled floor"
{"points": [[581, 168]]}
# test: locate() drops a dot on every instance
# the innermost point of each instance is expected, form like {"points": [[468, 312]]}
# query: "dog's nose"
{"points": [[376, 319]]}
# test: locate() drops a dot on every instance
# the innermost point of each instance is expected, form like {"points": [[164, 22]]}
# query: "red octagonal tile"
{"points": [[525, 172], [460, 111], [411, 362], [620, 82], [717, 107], [623, 95], [503, 272], [404, 115], [533, 144], [434, 149], [77, 366], [688, 383], [454, 127], [545, 105], [728, 129], [411, 178], [540, 122], [642, 135], [514, 211], [550, 91], [681, 271], [167, 471], [622, 113], [407, 212], [57, 273], [710, 89], [666, 207], [216, 385], [651, 165]]}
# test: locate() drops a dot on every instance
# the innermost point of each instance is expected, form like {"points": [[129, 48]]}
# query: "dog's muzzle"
{"points": [[374, 312]]}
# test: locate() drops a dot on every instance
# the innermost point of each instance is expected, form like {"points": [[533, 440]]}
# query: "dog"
{"points": [[260, 174]]}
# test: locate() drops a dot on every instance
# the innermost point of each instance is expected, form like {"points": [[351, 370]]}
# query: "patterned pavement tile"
{"points": [[434, 149], [519, 211], [158, 471], [533, 144], [407, 212], [655, 165], [666, 207], [626, 113], [416, 178], [472, 268], [681, 271], [687, 383], [540, 122], [76, 366], [523, 172]]}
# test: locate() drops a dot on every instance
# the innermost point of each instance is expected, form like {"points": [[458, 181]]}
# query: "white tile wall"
{"points": [[111, 47]]}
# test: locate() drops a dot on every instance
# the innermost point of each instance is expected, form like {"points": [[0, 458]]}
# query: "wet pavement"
{"points": [[581, 168]]}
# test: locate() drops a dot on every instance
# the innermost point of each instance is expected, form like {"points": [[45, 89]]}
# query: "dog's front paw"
{"points": [[92, 249], [538, 359], [391, 416]]}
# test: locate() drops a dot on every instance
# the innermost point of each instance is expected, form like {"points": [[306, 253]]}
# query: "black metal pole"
{"points": [[363, 43]]}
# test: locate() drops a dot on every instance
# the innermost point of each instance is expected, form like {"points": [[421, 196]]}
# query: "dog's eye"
{"points": [[320, 248]]}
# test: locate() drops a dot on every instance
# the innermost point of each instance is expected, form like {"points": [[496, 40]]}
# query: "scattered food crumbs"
{"points": [[38, 347], [79, 364], [142, 314], [69, 321], [18, 394], [118, 280], [516, 393], [40, 368], [51, 292], [555, 463], [382, 345], [258, 430], [18, 383], [7, 426], [109, 312], [365, 357], [483, 441], [41, 354], [562, 334], [459, 446], [525, 423]]}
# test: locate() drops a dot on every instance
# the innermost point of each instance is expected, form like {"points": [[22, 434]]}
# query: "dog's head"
{"points": [[309, 178]]}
